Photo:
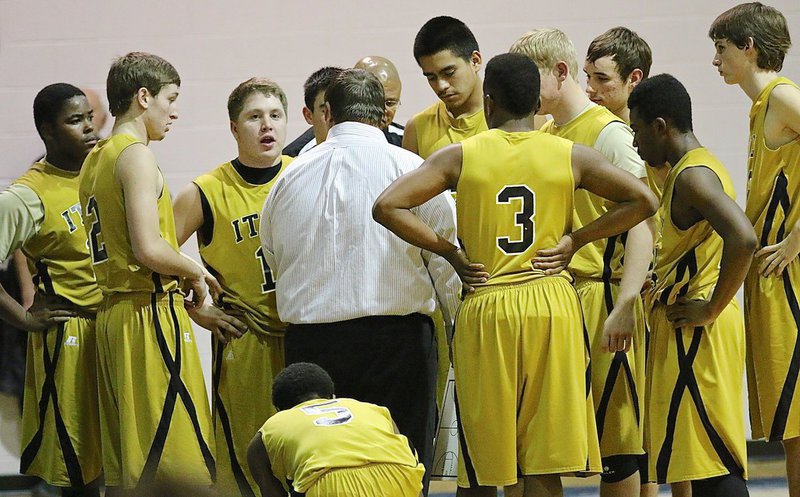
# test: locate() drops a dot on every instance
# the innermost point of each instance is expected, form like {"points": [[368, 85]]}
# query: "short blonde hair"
{"points": [[546, 47]]}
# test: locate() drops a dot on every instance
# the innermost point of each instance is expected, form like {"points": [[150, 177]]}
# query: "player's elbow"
{"points": [[747, 240], [381, 211], [145, 253], [647, 201]]}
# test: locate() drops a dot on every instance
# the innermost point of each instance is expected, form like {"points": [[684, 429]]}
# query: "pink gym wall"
{"points": [[216, 45]]}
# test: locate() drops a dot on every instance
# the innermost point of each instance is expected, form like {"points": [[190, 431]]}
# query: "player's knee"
{"points": [[618, 468]]}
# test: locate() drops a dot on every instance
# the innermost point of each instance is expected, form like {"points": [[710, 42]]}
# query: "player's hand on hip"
{"points": [[690, 313], [222, 324], [773, 259], [470, 273], [48, 311], [556, 259], [618, 329]]}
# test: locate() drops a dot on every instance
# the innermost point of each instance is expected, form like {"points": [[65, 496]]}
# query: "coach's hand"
{"points": [[690, 313], [469, 272], [222, 324], [618, 328], [556, 259]]}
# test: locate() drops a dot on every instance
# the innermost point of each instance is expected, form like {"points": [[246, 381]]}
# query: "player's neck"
{"points": [[512, 125], [623, 113], [130, 125], [472, 105], [756, 81], [63, 162], [682, 144], [572, 102], [257, 162]]}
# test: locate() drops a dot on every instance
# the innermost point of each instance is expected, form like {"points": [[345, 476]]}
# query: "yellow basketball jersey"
{"points": [[117, 270], [58, 255], [234, 254], [687, 261], [601, 258], [436, 128], [772, 180], [324, 434], [515, 197]]}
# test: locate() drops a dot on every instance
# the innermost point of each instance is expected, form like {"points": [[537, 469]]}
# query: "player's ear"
{"points": [[234, 130], [327, 113], [142, 97], [476, 59], [660, 125], [488, 106], [636, 76], [307, 115], [561, 71]]}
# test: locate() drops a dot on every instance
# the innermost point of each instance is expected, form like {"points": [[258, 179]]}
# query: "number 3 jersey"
{"points": [[306, 441], [116, 268], [230, 245], [515, 197]]}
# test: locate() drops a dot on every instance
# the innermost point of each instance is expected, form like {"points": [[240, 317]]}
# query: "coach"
{"points": [[358, 299]]}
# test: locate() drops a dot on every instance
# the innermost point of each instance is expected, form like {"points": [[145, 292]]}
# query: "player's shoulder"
{"points": [[785, 98]]}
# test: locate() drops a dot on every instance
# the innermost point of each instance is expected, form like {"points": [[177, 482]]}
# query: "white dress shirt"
{"points": [[331, 260]]}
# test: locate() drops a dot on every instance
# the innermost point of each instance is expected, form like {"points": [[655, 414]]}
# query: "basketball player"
{"points": [[609, 291], [696, 361], [314, 111], [154, 416], [321, 446], [448, 54], [519, 336], [41, 214], [751, 41], [223, 208]]}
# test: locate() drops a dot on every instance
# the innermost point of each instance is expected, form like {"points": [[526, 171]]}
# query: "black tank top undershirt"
{"points": [[252, 175]]}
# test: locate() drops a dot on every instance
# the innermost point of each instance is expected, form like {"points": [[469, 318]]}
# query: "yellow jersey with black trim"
{"points": [[515, 197], [687, 261], [233, 252], [58, 255], [773, 179], [319, 435], [116, 268], [601, 259], [436, 128]]}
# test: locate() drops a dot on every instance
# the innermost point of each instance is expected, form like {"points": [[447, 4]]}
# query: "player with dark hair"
{"points": [[515, 200], [751, 42], [314, 110], [694, 419], [327, 447], [40, 214], [448, 54]]}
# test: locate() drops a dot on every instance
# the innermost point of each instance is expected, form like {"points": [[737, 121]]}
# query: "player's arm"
{"points": [[410, 137], [20, 219], [440, 172], [616, 144], [188, 213], [188, 219], [27, 290], [632, 201], [142, 185], [784, 104], [261, 469], [700, 191]]}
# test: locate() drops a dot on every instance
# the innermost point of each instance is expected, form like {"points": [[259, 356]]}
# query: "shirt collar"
{"points": [[351, 129]]}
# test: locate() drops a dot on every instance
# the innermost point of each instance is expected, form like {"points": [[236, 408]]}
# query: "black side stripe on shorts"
{"points": [[462, 440], [780, 198], [687, 381], [224, 420], [620, 361], [175, 388], [50, 393]]}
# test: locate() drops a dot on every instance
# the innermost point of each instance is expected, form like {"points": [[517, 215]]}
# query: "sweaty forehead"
{"points": [[75, 105], [439, 61]]}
